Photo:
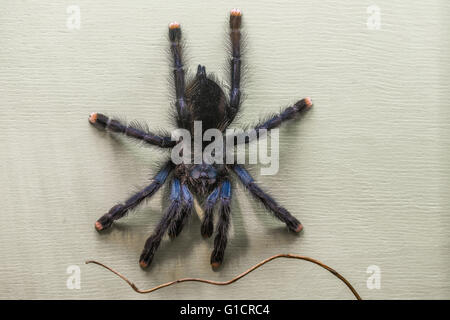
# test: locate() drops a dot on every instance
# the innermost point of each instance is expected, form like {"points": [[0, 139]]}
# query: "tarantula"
{"points": [[201, 100]]}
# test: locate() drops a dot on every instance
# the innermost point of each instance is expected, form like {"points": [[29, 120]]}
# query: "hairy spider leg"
{"points": [[153, 242], [220, 241], [207, 227], [101, 121], [276, 120], [184, 117], [184, 212], [287, 114], [120, 210], [235, 63], [281, 213]]}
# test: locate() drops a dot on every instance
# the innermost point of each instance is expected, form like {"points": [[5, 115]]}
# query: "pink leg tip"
{"points": [[236, 12], [93, 117], [174, 25], [98, 226], [308, 102]]}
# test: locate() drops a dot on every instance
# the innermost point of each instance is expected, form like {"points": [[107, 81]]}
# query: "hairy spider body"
{"points": [[205, 101]]}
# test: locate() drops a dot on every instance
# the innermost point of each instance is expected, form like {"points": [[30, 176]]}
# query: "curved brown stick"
{"points": [[223, 283]]}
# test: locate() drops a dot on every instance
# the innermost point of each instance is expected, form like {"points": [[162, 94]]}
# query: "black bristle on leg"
{"points": [[120, 210], [281, 213], [105, 221], [207, 227], [235, 63], [101, 121], [184, 117], [221, 239], [299, 108], [287, 114], [153, 242], [183, 213]]}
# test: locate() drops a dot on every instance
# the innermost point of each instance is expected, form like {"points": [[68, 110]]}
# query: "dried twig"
{"points": [[223, 283]]}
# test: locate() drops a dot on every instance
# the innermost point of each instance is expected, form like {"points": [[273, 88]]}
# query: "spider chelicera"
{"points": [[201, 100]]}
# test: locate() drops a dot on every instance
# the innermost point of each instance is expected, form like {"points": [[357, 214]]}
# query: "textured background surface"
{"points": [[366, 171]]}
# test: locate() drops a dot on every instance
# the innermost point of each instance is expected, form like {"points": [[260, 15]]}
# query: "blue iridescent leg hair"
{"points": [[184, 212], [207, 227], [223, 224], [153, 242]]}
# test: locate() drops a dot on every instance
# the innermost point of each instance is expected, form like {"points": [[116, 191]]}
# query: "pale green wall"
{"points": [[366, 171]]}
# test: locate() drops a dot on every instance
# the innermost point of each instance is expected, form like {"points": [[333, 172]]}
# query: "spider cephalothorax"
{"points": [[204, 101]]}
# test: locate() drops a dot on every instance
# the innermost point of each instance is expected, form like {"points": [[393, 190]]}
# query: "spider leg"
{"points": [[220, 241], [183, 213], [287, 114], [103, 122], [235, 62], [153, 242], [281, 213], [178, 72], [120, 210], [207, 227], [275, 121]]}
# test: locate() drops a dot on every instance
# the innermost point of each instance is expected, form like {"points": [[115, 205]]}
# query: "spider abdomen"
{"points": [[206, 101]]}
